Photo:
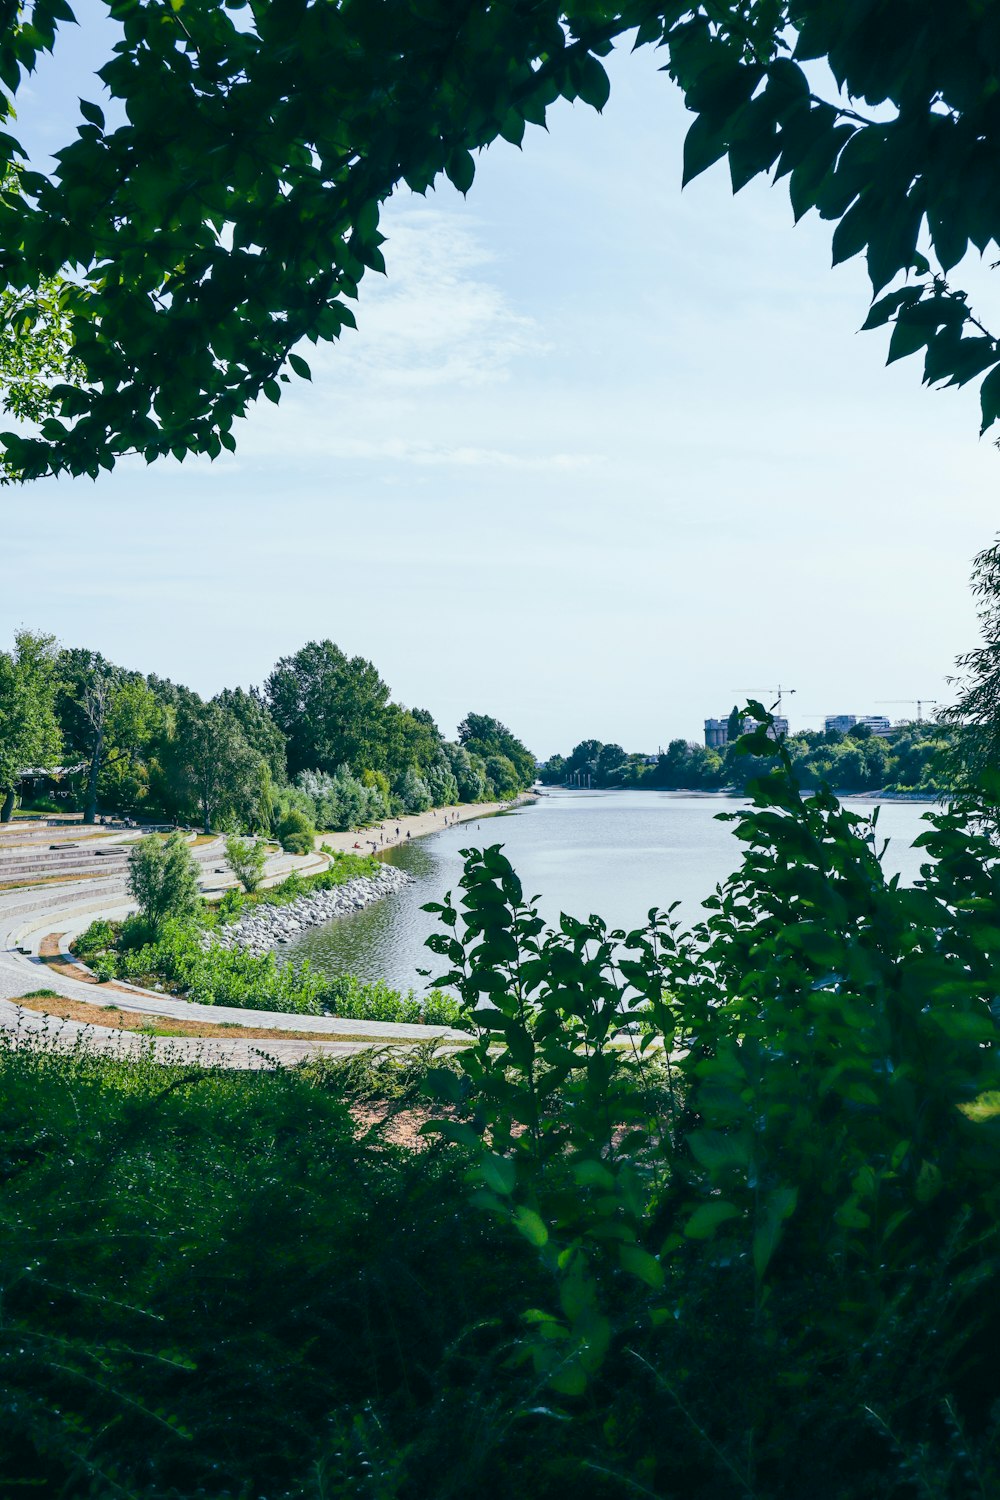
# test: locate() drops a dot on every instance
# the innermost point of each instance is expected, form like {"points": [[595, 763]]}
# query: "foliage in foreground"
{"points": [[220, 1284], [183, 216], [701, 1214], [811, 1214]]}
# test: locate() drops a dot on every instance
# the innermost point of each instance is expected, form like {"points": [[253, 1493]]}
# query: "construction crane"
{"points": [[931, 703], [781, 691]]}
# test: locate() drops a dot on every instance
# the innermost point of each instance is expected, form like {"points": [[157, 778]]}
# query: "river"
{"points": [[614, 853]]}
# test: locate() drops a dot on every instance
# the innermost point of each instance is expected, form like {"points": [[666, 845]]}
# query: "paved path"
{"points": [[30, 914]]}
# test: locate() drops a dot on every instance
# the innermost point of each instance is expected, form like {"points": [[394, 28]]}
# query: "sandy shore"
{"points": [[417, 825]]}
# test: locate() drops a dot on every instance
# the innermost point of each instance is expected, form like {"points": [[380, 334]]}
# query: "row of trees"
{"points": [[319, 746], [914, 758]]}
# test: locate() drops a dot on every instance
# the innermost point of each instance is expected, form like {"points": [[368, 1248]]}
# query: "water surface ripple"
{"points": [[614, 853]]}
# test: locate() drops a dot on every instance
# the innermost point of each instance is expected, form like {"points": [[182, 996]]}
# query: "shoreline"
{"points": [[417, 825]]}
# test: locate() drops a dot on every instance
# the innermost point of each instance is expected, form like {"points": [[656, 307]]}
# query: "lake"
{"points": [[614, 853]]}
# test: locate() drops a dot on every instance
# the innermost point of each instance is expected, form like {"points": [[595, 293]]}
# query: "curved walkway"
{"points": [[31, 913]]}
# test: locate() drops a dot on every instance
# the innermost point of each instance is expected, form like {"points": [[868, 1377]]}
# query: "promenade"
{"points": [[56, 879]]}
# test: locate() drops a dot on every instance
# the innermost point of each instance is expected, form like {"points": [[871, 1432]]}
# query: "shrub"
{"points": [[787, 1185], [296, 834], [214, 975], [163, 879], [364, 1001], [246, 859], [414, 792]]}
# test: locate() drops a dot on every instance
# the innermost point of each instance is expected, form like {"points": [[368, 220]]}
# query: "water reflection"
{"points": [[616, 853]]}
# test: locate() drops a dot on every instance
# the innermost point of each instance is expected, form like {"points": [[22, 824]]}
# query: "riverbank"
{"points": [[392, 832], [265, 926]]}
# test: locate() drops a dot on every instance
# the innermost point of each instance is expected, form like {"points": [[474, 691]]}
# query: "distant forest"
{"points": [[915, 758]]}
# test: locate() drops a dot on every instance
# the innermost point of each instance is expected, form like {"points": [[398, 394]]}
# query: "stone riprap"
{"points": [[266, 927]]}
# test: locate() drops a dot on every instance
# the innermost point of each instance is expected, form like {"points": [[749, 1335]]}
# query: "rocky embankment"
{"points": [[266, 927]]}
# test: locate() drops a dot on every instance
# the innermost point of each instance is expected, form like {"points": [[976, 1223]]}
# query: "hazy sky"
{"points": [[601, 458]]}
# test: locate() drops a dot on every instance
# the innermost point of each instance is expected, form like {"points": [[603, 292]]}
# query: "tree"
{"points": [[485, 736], [111, 719], [331, 710], [469, 777], [171, 222], [442, 783], [29, 731], [246, 858], [502, 776], [413, 792], [976, 760], [554, 770], [611, 760], [163, 879], [220, 774], [258, 727]]}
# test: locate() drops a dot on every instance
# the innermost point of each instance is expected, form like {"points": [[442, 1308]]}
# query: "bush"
{"points": [[163, 879], [183, 1251], [246, 858], [361, 1001], [296, 834], [413, 791], [213, 975]]}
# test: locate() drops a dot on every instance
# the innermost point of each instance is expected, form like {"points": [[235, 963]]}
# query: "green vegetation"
{"points": [[321, 747], [880, 115], [246, 859], [178, 960], [171, 947], [29, 732], [695, 1214], [916, 758], [163, 879]]}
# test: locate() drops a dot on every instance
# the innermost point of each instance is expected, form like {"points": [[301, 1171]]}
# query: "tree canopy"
{"points": [[227, 206]]}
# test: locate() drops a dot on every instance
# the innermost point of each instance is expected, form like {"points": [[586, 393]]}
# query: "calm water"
{"points": [[615, 853]]}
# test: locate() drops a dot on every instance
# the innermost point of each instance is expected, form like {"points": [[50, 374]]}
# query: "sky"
{"points": [[603, 458]]}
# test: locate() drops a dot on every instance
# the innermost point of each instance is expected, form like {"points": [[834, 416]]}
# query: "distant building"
{"points": [[717, 730], [877, 723]]}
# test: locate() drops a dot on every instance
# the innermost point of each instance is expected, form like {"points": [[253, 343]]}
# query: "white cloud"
{"points": [[438, 319]]}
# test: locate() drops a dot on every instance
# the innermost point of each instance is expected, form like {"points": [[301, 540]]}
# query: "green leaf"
{"points": [[640, 1263], [703, 147], [882, 310], [300, 367], [461, 169], [906, 339], [717, 1151], [592, 83], [499, 1173], [92, 113], [989, 396], [527, 1222], [778, 1206], [706, 1219]]}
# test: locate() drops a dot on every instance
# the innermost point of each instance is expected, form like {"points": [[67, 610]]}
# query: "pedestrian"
{"points": [[407, 833]]}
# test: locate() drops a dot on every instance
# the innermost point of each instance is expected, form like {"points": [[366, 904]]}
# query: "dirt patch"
{"points": [[120, 1019], [29, 884], [401, 1128]]}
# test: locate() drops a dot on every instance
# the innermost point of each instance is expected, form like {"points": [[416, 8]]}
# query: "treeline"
{"points": [[916, 758], [319, 746]]}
